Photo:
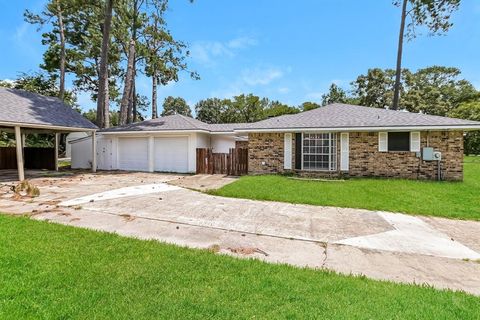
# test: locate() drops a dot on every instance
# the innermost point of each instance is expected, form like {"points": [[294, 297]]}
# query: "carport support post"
{"points": [[57, 141], [19, 144], [94, 151]]}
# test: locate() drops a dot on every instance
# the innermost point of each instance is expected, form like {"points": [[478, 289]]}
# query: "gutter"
{"points": [[360, 129], [45, 126]]}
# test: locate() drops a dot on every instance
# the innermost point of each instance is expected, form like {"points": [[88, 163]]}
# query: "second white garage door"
{"points": [[133, 154], [171, 154]]}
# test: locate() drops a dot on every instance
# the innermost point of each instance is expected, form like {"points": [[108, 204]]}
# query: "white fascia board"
{"points": [[361, 129], [45, 127], [222, 133], [122, 133]]}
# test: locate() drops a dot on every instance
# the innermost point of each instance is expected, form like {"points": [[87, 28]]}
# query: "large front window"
{"points": [[319, 151]]}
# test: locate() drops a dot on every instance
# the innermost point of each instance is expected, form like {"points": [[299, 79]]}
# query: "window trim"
{"points": [[332, 168]]}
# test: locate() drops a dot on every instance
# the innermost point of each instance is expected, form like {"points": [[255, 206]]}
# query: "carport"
{"points": [[24, 113]]}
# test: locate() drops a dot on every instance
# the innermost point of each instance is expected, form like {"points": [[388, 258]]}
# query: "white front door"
{"points": [[133, 154], [171, 154]]}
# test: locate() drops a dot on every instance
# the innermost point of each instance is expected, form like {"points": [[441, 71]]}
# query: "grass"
{"points": [[459, 200], [51, 271]]}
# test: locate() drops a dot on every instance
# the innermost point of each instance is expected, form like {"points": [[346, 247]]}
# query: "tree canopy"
{"points": [[176, 105]]}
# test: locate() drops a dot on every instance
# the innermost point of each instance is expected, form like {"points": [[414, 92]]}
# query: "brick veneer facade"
{"points": [[266, 155]]}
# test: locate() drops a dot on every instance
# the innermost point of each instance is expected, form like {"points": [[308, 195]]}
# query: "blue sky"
{"points": [[281, 49]]}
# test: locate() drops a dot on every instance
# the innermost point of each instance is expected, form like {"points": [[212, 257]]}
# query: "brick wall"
{"points": [[265, 152], [266, 155], [366, 160]]}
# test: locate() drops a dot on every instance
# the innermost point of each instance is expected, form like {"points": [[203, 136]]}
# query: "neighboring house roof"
{"points": [[343, 116], [18, 107], [175, 122]]}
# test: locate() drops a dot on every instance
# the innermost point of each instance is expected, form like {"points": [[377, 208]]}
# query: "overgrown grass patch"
{"points": [[51, 271], [459, 200]]}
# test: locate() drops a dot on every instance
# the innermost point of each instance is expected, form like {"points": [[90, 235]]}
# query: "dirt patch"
{"points": [[203, 182], [247, 251]]}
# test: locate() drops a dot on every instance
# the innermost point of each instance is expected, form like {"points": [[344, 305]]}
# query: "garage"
{"points": [[133, 154], [171, 154]]}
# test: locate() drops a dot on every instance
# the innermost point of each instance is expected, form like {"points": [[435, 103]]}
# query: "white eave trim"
{"points": [[360, 129], [44, 126], [150, 132]]}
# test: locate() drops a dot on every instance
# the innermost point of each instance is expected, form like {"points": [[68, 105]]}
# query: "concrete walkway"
{"points": [[380, 245]]}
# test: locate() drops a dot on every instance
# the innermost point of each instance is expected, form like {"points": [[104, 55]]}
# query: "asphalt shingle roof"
{"points": [[18, 106], [351, 116], [332, 116], [176, 122]]}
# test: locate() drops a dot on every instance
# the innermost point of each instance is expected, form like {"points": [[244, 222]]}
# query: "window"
{"points": [[319, 151], [399, 141]]}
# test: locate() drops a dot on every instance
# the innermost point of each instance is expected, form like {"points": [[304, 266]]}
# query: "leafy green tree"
{"points": [[375, 89], [176, 105], [164, 56], [469, 111], [92, 116], [436, 90], [246, 108], [335, 95], [54, 13], [276, 108], [212, 110], [40, 83], [309, 106], [433, 14]]}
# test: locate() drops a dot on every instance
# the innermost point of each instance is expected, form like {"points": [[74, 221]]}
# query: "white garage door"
{"points": [[171, 154], [133, 154]]}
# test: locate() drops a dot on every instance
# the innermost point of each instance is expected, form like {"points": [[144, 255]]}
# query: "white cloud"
{"points": [[207, 52], [283, 90], [260, 76], [242, 42]]}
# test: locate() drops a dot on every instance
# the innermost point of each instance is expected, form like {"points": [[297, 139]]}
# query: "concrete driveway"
{"points": [[380, 245]]}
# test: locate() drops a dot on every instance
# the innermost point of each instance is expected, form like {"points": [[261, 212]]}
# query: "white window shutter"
{"points": [[383, 141], [344, 151], [415, 141], [287, 151]]}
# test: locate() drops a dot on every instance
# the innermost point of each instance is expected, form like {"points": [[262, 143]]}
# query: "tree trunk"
{"points": [[102, 103], [154, 95], [61, 92], [134, 104], [106, 104], [131, 97], [396, 93], [127, 88]]}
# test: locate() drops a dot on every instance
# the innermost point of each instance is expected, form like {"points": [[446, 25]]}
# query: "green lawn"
{"points": [[49, 271], [459, 200]]}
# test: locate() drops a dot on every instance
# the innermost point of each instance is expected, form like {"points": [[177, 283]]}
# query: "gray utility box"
{"points": [[427, 154]]}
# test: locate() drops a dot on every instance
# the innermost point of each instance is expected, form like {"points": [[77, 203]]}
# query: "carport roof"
{"points": [[27, 109]]}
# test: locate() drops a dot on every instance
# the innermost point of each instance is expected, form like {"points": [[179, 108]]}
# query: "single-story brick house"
{"points": [[355, 141], [335, 140]]}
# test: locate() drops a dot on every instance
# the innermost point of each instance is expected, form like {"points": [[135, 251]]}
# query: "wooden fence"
{"points": [[234, 163], [34, 158]]}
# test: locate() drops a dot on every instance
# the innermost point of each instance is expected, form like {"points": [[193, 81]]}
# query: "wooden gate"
{"points": [[34, 158], [233, 163]]}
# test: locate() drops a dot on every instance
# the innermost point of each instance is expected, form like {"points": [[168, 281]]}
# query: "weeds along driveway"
{"points": [[380, 245]]}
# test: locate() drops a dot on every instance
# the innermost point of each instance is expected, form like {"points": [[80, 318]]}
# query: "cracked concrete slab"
{"points": [[412, 235], [300, 235]]}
